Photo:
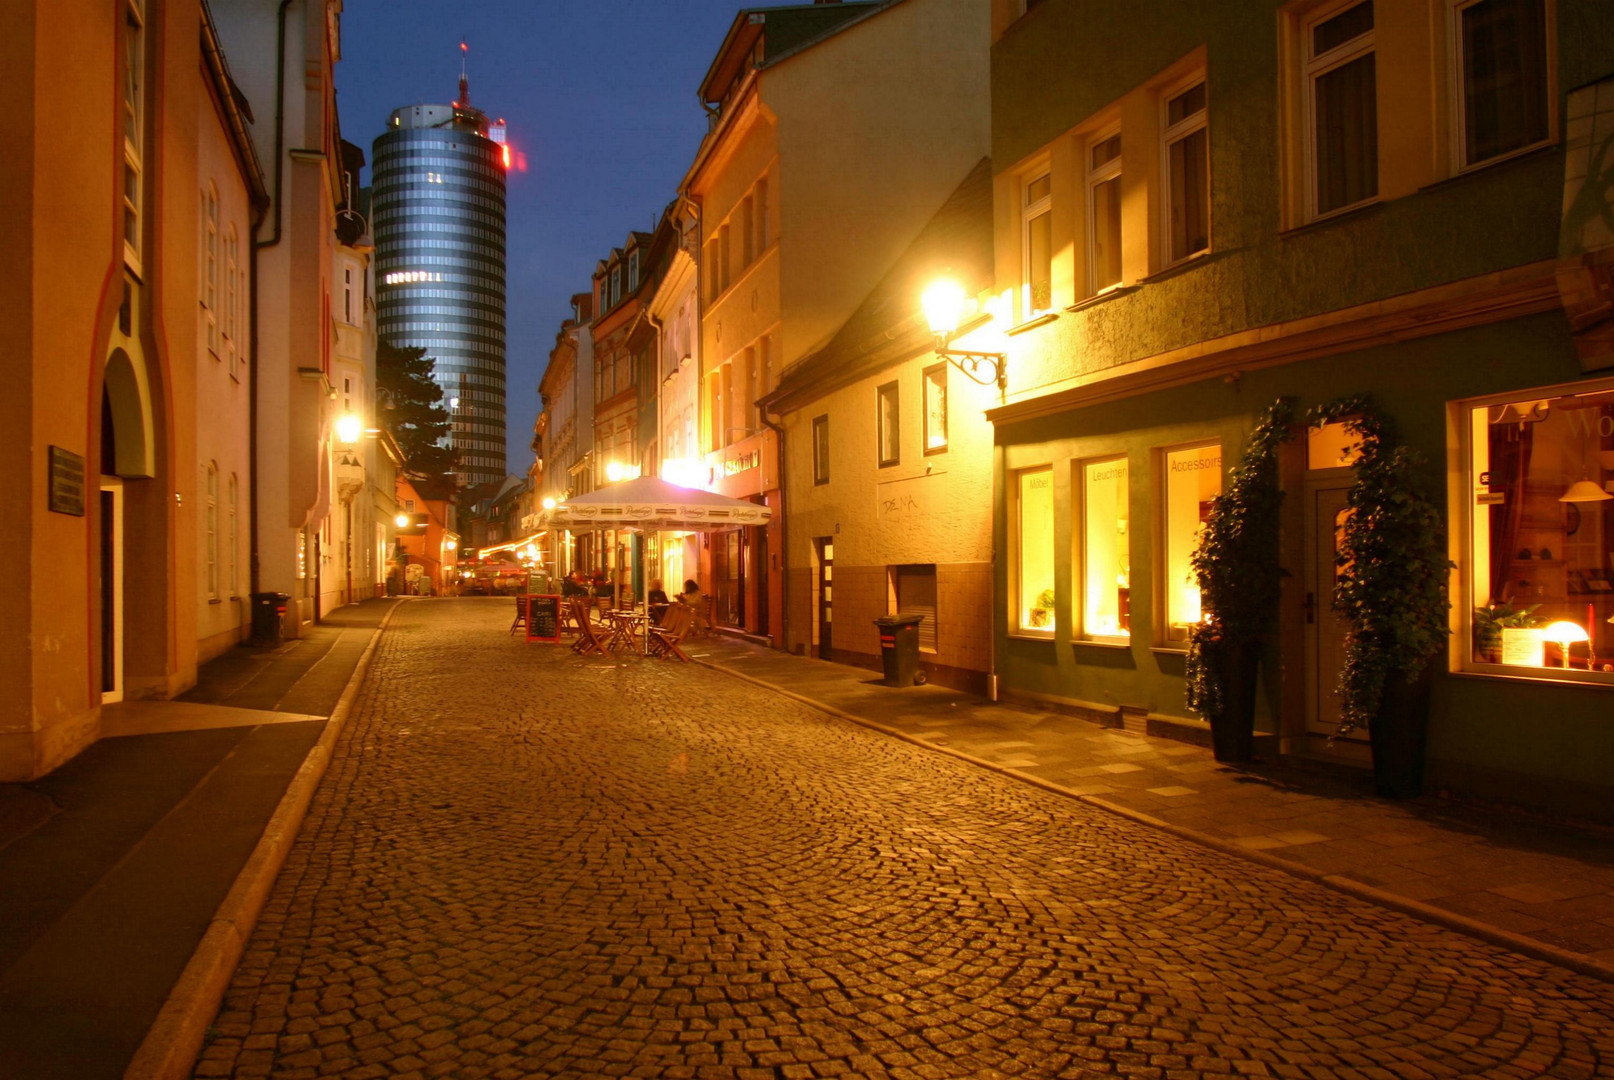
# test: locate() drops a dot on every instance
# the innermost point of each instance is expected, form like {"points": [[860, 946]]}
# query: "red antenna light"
{"points": [[506, 149]]}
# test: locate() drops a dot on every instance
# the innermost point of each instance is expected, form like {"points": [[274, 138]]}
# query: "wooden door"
{"points": [[1326, 514]]}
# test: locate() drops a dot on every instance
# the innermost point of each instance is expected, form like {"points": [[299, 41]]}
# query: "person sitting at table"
{"points": [[656, 600], [573, 585], [696, 601]]}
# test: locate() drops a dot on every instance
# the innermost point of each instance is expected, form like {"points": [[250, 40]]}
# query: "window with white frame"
{"points": [[616, 285], [210, 266], [1193, 478], [235, 536], [1037, 245], [887, 423], [1539, 556], [134, 120], [1501, 77], [1032, 575], [211, 523], [1341, 101], [821, 449], [1185, 159], [232, 270], [935, 384], [1104, 212], [1106, 560], [633, 270]]}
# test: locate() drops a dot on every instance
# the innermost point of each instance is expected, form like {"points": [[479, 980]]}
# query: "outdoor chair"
{"points": [[590, 637], [675, 625]]}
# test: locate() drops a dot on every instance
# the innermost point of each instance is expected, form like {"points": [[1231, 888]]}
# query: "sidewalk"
{"points": [[1530, 884], [113, 865]]}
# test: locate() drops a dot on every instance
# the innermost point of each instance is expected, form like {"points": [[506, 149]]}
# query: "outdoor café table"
{"points": [[627, 627]]}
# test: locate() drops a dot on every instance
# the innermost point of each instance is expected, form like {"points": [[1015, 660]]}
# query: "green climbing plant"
{"points": [[1236, 563], [1393, 571]]}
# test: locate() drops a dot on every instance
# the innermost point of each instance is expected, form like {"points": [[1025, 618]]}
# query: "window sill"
{"points": [[1170, 650], [1098, 298], [1100, 643], [215, 600], [1023, 635], [1338, 216], [1180, 267], [1031, 323], [1527, 153], [1596, 680]]}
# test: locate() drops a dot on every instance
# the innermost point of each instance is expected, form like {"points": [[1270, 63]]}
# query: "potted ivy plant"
{"points": [[1044, 609], [1236, 566], [1392, 592]]}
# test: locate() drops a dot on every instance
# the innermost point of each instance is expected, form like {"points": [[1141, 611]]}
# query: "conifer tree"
{"points": [[410, 404]]}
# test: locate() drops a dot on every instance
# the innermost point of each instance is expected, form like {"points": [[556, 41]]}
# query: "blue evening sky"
{"points": [[599, 95]]}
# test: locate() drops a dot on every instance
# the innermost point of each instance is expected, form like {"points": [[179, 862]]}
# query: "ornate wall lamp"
{"points": [[943, 303]]}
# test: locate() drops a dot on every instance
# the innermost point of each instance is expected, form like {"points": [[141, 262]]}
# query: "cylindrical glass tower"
{"points": [[437, 207]]}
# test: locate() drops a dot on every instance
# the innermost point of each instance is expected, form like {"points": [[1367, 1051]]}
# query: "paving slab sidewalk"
{"points": [[113, 865], [1478, 868]]}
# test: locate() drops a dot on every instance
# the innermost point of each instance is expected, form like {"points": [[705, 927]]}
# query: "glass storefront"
{"points": [[1105, 557], [1193, 476], [1540, 546], [1033, 585]]}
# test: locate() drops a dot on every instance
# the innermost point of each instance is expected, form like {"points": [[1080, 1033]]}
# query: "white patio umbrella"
{"points": [[649, 504]]}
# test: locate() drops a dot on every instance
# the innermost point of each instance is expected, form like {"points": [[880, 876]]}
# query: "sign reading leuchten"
{"points": [[66, 482], [543, 618]]}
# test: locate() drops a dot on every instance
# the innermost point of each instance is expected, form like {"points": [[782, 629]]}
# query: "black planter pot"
{"points": [[1398, 734], [1233, 731]]}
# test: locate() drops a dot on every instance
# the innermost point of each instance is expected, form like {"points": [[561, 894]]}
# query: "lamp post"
{"points": [[943, 304]]}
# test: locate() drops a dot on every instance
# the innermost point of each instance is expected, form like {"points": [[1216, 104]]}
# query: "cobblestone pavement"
{"points": [[525, 864]]}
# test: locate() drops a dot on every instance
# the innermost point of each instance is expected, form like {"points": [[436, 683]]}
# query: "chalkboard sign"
{"points": [[543, 618]]}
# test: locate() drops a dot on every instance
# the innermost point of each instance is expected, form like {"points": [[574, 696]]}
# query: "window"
{"points": [[821, 449], [616, 285], [762, 215], [1104, 212], [763, 384], [232, 271], [1186, 161], [935, 382], [713, 286], [723, 256], [1342, 108], [1037, 245], [914, 593], [210, 266], [211, 523], [1501, 77], [887, 421], [747, 231], [1540, 558], [235, 537], [134, 117], [633, 271], [1106, 559], [1031, 580], [347, 294], [1193, 478]]}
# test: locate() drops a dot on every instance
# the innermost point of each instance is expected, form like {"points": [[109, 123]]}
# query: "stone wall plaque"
{"points": [[66, 482]]}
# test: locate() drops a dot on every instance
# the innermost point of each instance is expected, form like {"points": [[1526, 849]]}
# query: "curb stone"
{"points": [[1451, 920], [169, 1049]]}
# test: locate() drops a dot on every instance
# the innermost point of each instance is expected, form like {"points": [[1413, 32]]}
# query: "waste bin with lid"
{"points": [[899, 649], [268, 611]]}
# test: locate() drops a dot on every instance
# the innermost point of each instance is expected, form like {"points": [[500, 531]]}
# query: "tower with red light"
{"points": [[438, 211]]}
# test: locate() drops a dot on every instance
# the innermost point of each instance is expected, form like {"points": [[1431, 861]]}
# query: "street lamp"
{"points": [[943, 303], [349, 428], [402, 521]]}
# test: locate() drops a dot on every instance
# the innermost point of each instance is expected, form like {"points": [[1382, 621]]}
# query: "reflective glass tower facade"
{"points": [[437, 188]]}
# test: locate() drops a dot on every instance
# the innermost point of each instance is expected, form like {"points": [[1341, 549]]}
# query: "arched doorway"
{"points": [[126, 452]]}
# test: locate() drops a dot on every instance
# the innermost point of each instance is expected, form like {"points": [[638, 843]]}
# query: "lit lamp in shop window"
{"points": [[1564, 634], [944, 303]]}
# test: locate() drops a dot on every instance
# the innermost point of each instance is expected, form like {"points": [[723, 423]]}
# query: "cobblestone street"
{"points": [[526, 864]]}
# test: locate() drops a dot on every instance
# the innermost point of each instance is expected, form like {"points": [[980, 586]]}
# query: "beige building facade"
{"points": [[127, 321]]}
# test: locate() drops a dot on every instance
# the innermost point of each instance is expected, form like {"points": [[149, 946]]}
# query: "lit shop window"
{"points": [[1541, 536], [1033, 571], [1106, 561], [1193, 478]]}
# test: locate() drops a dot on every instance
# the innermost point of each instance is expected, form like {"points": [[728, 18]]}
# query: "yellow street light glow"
{"points": [[402, 521], [549, 504], [943, 303], [451, 543], [349, 428]]}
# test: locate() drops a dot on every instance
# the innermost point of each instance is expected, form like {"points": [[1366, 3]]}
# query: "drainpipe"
{"points": [[784, 536], [252, 312]]}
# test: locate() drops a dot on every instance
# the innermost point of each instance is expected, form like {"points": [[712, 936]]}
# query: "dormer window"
{"points": [[616, 285], [633, 271]]}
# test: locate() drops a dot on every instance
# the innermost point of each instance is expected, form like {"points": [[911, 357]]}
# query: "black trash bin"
{"points": [[899, 649], [268, 612]]}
